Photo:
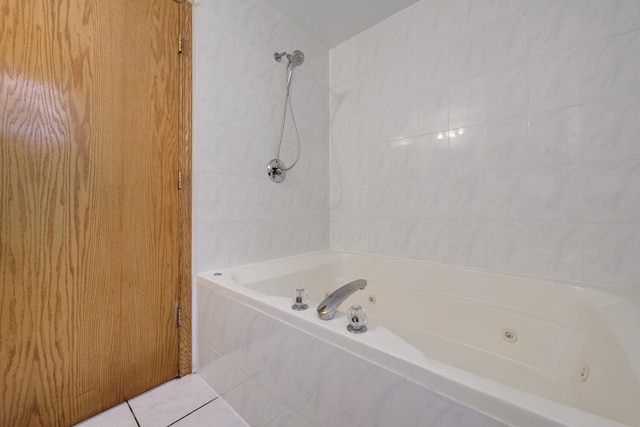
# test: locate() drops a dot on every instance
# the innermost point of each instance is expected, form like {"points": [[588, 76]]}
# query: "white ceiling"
{"points": [[334, 21]]}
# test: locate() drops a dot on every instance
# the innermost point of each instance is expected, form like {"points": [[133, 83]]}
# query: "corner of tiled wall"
{"points": [[239, 215]]}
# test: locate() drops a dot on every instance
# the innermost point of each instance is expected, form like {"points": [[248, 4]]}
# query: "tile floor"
{"points": [[183, 402]]}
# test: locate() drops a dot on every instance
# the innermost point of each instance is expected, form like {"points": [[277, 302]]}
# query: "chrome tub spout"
{"points": [[327, 308]]}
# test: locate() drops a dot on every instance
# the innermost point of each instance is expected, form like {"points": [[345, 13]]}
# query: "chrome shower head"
{"points": [[296, 58]]}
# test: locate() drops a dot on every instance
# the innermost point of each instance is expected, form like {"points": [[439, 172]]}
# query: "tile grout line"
{"points": [[198, 408], [133, 413]]}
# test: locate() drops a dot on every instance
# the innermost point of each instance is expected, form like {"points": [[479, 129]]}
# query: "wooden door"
{"points": [[89, 209]]}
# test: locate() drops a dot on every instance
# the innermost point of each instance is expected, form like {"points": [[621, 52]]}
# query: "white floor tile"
{"points": [[216, 413], [288, 419], [171, 401], [118, 416]]}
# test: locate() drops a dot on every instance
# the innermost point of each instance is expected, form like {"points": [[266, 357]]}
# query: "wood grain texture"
{"points": [[149, 189], [89, 134], [185, 356]]}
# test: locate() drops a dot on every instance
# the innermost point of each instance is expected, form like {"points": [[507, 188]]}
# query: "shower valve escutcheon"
{"points": [[327, 308]]}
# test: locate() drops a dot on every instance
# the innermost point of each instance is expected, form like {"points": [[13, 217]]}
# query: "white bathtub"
{"points": [[438, 332]]}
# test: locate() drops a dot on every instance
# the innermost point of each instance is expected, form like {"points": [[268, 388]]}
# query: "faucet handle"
{"points": [[357, 317], [300, 298]]}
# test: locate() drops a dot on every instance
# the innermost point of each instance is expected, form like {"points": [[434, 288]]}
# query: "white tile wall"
{"points": [[524, 114], [369, 395], [315, 397], [426, 408], [240, 216]]}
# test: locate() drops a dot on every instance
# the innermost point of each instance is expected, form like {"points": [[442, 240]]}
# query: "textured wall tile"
{"points": [[434, 195], [507, 144], [225, 150], [211, 246], [352, 200], [507, 42], [507, 196], [611, 68], [611, 254], [554, 194], [370, 395], [554, 25], [253, 403], [432, 153], [243, 246], [212, 200], [217, 371], [554, 137], [467, 197], [271, 345], [316, 379], [426, 408], [554, 81], [393, 237], [611, 192], [508, 247], [467, 103], [435, 240], [429, 65], [433, 111], [507, 93], [339, 238], [360, 235], [466, 56], [610, 130], [468, 244], [465, 16], [555, 250], [394, 199], [466, 153], [605, 19]]}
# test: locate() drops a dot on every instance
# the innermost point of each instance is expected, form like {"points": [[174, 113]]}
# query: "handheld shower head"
{"points": [[276, 169], [296, 58]]}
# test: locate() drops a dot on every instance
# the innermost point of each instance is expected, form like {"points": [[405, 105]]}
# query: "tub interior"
{"points": [[545, 338]]}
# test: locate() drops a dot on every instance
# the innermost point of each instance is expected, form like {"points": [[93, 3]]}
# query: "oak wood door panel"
{"points": [[89, 205]]}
